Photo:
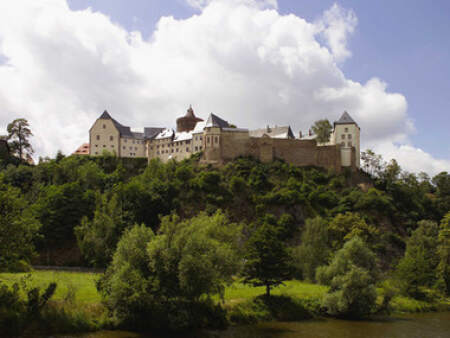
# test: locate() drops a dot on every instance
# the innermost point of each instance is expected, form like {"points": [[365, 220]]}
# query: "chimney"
{"points": [[268, 129], [309, 132], [300, 134]]}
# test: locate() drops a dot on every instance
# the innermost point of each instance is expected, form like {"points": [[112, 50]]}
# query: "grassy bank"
{"points": [[76, 304]]}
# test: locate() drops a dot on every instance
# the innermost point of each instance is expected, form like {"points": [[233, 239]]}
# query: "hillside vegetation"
{"points": [[173, 237]]}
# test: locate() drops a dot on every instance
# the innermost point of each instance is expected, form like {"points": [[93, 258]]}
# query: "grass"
{"points": [[238, 292], [83, 283], [240, 299]]}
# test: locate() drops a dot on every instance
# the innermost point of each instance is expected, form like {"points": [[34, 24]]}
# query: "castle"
{"points": [[220, 142]]}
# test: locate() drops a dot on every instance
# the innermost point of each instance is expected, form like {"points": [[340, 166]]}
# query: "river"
{"points": [[429, 325]]}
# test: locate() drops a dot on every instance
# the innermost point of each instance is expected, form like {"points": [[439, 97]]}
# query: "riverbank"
{"points": [[76, 305]]}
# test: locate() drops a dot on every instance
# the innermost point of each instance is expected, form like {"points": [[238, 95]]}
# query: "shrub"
{"points": [[351, 276]]}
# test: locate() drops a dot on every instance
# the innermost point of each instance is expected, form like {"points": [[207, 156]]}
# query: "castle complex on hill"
{"points": [[220, 142]]}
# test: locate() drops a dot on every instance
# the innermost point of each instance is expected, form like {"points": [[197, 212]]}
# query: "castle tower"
{"points": [[188, 121], [346, 133]]}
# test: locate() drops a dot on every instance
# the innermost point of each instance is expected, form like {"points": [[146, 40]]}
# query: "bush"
{"points": [[166, 281], [351, 277], [17, 313]]}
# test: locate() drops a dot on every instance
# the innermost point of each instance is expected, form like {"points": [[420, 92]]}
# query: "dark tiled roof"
{"points": [[215, 121], [151, 132], [123, 130], [275, 132], [345, 119]]}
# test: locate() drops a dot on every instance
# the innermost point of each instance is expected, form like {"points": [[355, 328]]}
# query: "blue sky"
{"points": [[404, 42], [252, 62]]}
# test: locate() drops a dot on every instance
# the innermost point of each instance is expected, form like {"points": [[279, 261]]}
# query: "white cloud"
{"points": [[238, 58], [336, 24], [414, 159]]}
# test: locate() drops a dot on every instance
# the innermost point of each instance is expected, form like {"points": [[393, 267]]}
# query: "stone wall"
{"points": [[266, 149]]}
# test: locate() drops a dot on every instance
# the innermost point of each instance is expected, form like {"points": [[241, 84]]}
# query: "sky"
{"points": [[252, 62]]}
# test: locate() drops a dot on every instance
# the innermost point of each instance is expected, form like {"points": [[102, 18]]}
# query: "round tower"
{"points": [[188, 121]]}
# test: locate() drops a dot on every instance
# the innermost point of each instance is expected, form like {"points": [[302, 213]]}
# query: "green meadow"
{"points": [[82, 284]]}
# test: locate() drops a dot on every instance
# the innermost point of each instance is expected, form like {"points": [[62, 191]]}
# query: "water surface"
{"points": [[429, 325]]}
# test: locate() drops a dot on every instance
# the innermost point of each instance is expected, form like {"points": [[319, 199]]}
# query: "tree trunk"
{"points": [[267, 290]]}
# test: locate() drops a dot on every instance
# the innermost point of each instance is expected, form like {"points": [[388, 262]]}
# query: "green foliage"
{"points": [[314, 250], [344, 227], [418, 267], [444, 255], [18, 313], [59, 209], [18, 137], [351, 275], [166, 281], [267, 261], [322, 128], [97, 238], [18, 228]]}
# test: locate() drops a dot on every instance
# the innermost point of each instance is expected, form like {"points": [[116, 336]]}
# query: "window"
{"points": [[200, 147], [133, 141], [135, 148], [346, 130], [187, 149], [104, 126], [111, 138], [196, 148], [201, 138], [131, 148], [96, 153], [125, 140], [157, 147], [123, 147], [207, 139], [157, 152], [112, 145], [98, 137], [188, 142], [171, 151], [343, 144], [96, 145], [151, 147], [104, 146], [216, 140], [349, 136], [343, 136], [177, 150], [349, 144]]}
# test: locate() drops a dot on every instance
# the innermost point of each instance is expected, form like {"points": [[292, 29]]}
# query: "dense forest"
{"points": [[172, 235]]}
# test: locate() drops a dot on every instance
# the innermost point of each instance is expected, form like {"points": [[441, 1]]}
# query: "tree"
{"points": [[351, 275], [418, 267], [60, 208], [371, 163], [167, 280], [18, 135], [313, 250], [322, 128], [18, 229], [267, 261], [97, 238], [346, 226], [444, 255]]}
